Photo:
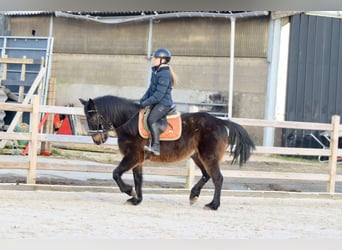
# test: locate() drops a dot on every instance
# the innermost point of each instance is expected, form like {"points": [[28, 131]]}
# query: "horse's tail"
{"points": [[241, 144]]}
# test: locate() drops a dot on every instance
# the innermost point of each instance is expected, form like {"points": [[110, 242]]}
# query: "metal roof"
{"points": [[25, 13], [100, 14], [335, 14], [141, 16]]}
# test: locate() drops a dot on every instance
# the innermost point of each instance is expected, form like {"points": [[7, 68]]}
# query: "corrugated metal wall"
{"points": [[36, 48], [314, 88]]}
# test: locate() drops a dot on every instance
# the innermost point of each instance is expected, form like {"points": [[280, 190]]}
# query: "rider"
{"points": [[158, 94]]}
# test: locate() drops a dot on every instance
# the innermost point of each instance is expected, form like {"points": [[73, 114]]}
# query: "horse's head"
{"points": [[96, 123]]}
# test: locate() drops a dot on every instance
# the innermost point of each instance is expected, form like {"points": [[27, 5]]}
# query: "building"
{"points": [[98, 53]]}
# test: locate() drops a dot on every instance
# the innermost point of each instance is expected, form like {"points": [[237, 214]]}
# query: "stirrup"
{"points": [[155, 149]]}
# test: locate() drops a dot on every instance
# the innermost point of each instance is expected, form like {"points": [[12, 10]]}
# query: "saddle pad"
{"points": [[171, 133]]}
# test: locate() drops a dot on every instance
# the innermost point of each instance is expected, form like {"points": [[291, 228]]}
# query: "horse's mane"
{"points": [[119, 111]]}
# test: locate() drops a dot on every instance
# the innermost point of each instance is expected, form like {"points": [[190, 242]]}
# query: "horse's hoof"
{"points": [[210, 206], [133, 201], [193, 200], [134, 194]]}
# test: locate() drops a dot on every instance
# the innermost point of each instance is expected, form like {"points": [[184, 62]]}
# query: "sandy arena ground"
{"points": [[47, 214], [105, 215]]}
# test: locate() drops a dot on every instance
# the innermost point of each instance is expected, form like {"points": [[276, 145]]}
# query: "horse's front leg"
{"points": [[137, 175], [125, 165]]}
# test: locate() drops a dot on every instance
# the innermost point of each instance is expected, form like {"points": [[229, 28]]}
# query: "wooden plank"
{"points": [[33, 144], [68, 166], [61, 110], [101, 168], [54, 138], [190, 180], [283, 124], [334, 152], [21, 91], [4, 70], [73, 139], [14, 165], [292, 151], [15, 136], [16, 60], [17, 107]]}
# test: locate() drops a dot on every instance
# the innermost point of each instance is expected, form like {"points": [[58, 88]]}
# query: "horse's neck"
{"points": [[127, 121]]}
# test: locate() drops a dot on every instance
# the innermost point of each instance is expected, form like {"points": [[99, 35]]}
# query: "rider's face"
{"points": [[156, 61]]}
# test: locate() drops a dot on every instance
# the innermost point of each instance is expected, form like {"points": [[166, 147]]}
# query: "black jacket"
{"points": [[159, 91]]}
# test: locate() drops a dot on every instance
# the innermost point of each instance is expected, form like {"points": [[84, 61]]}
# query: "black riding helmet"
{"points": [[162, 53]]}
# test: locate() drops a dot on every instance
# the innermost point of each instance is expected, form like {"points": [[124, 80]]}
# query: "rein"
{"points": [[118, 128]]}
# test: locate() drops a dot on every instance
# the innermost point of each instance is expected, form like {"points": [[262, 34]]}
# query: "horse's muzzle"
{"points": [[99, 138]]}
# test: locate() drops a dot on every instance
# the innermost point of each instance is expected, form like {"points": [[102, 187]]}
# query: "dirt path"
{"points": [[70, 215]]}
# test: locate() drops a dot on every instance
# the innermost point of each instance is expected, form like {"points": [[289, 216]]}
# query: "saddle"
{"points": [[170, 126]]}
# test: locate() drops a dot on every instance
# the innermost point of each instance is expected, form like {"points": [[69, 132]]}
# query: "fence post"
{"points": [[33, 144], [190, 165], [334, 151], [190, 178]]}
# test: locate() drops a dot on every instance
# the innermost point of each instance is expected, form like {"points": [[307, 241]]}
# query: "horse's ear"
{"points": [[82, 101], [91, 105]]}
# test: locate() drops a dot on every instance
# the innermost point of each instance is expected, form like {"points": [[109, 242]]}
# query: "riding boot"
{"points": [[155, 132]]}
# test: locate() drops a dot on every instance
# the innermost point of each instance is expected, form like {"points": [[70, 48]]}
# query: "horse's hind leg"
{"points": [[217, 178], [210, 168], [196, 190], [208, 172]]}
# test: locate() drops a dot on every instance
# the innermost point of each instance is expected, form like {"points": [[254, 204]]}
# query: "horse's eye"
{"points": [[92, 117]]}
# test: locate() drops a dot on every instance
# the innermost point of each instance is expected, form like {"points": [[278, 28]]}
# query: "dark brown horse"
{"points": [[204, 138]]}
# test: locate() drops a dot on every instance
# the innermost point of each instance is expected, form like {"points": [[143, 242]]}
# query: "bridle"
{"points": [[101, 122], [100, 128]]}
